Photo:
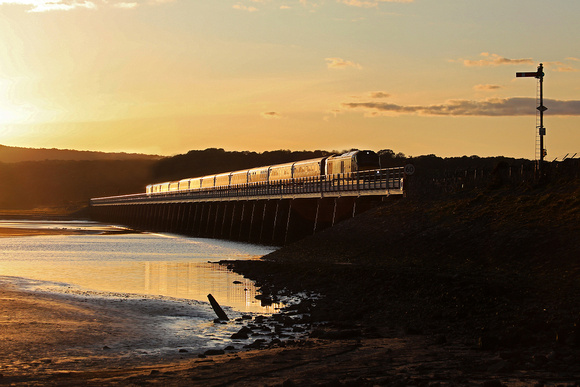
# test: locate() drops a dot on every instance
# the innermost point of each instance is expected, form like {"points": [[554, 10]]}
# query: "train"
{"points": [[353, 161]]}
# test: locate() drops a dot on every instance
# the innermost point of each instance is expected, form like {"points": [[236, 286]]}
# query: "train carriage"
{"points": [[239, 177], [281, 172], [308, 168], [258, 175], [223, 179], [159, 188], [207, 182]]}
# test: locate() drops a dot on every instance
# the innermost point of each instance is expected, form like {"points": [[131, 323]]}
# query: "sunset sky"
{"points": [[168, 76]]}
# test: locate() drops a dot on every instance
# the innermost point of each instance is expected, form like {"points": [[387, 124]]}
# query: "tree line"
{"points": [[61, 183]]}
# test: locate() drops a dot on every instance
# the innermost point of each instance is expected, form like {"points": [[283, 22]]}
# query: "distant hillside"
{"points": [[9, 154], [69, 183]]}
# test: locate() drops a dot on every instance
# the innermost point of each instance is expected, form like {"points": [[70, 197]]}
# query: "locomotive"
{"points": [[353, 161]]}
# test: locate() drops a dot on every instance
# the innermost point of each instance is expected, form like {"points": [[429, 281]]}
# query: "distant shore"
{"points": [[7, 232]]}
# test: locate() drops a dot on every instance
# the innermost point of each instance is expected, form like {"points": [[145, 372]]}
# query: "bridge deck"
{"points": [[380, 182]]}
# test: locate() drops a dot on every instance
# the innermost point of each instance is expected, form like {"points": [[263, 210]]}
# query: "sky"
{"points": [[168, 76]]}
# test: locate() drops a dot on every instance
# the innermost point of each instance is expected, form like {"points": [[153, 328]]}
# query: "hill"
{"points": [[69, 184], [9, 154]]}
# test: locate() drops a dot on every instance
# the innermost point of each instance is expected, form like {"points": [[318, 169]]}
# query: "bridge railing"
{"points": [[356, 183]]}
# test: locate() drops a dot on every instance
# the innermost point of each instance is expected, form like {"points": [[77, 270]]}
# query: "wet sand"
{"points": [[52, 340]]}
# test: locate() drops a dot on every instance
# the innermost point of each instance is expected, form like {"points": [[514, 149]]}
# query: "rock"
{"points": [[183, 350], [239, 336], [214, 352], [242, 333], [259, 343]]}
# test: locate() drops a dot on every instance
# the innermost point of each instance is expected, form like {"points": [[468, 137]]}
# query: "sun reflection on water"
{"points": [[144, 264]]}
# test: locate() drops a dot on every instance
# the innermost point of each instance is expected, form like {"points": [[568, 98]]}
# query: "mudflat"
{"points": [[51, 340]]}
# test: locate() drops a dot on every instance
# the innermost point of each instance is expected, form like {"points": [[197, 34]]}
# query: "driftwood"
{"points": [[217, 308]]}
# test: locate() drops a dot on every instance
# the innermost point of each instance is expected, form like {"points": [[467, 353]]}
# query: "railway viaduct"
{"points": [[274, 214]]}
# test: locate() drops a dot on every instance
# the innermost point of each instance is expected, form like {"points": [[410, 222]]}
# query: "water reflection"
{"points": [[146, 264], [194, 281]]}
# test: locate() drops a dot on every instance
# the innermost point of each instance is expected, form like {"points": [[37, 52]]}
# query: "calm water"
{"points": [[144, 264]]}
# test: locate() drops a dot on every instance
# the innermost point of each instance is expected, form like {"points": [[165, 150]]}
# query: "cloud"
{"points": [[379, 94], [486, 87], [338, 63], [126, 5], [560, 66], [50, 5], [245, 8], [494, 60], [68, 5], [493, 107], [271, 115], [370, 3]]}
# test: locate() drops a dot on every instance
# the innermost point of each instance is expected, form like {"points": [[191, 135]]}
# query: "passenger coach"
{"points": [[350, 162]]}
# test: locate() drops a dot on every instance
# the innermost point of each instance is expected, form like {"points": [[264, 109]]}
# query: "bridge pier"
{"points": [[271, 222]]}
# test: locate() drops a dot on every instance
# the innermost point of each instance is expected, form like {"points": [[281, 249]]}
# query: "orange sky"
{"points": [[167, 76]]}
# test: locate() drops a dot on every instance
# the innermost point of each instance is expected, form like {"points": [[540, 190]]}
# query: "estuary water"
{"points": [[168, 272], [130, 263]]}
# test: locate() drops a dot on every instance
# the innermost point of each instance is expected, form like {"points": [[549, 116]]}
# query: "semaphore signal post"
{"points": [[541, 130]]}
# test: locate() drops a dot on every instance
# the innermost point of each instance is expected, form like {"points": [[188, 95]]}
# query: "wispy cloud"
{"points": [[68, 5], [494, 107], [126, 5], [379, 94], [271, 115], [371, 3], [486, 87], [561, 67], [245, 7], [493, 60], [339, 63]]}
